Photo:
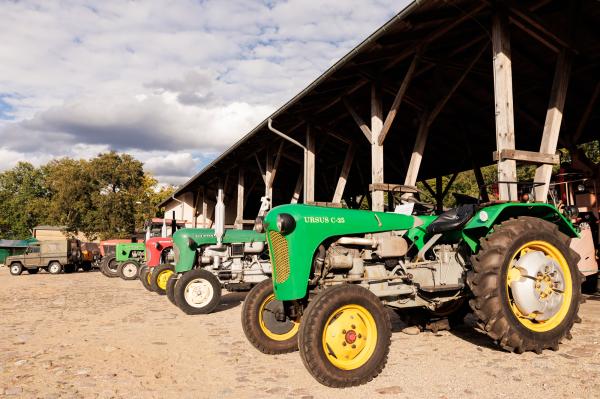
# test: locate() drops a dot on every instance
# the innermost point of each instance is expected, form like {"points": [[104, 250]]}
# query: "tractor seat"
{"points": [[453, 219]]}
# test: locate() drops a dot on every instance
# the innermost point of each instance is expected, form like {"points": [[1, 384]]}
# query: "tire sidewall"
{"points": [[170, 291], [155, 272], [57, 267], [16, 269], [311, 332], [143, 275], [558, 331], [185, 280], [122, 268]]}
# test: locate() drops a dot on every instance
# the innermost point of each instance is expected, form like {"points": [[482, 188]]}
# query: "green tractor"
{"points": [[207, 260], [336, 270], [126, 262]]}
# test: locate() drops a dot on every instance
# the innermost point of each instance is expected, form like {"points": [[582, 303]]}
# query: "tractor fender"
{"points": [[484, 220]]}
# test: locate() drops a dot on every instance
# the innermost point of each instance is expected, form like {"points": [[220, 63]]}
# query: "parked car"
{"points": [[52, 256]]}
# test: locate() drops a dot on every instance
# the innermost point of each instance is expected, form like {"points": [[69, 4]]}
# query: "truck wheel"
{"points": [[55, 268], [144, 277], [159, 277], [171, 282], [261, 325], [197, 292], [526, 285], [109, 267], [344, 337], [128, 270], [33, 271], [16, 269], [87, 267]]}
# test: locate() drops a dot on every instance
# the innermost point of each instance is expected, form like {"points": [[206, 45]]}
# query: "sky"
{"points": [[174, 83]]}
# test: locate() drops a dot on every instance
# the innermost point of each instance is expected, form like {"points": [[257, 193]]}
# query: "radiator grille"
{"points": [[279, 256]]}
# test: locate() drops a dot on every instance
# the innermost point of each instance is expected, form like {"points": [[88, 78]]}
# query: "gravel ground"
{"points": [[87, 336]]}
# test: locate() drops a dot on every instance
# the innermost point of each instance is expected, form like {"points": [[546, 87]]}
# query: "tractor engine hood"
{"points": [[294, 232]]}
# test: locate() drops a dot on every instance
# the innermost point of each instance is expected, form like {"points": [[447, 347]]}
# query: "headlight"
{"points": [[580, 188], [259, 224], [285, 223]]}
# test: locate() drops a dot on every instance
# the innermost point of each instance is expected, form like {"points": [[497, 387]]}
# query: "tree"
{"points": [[23, 200]]}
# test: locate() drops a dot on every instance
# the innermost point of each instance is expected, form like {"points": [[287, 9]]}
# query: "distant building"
{"points": [[46, 233]]}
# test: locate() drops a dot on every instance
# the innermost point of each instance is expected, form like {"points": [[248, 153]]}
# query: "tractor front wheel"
{"points": [[526, 285], [144, 276], [344, 337], [159, 277], [264, 321], [109, 267], [171, 282], [128, 270], [197, 292]]}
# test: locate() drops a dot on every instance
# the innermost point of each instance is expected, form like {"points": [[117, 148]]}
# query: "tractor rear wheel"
{"points": [[344, 336], [265, 324], [128, 270], [526, 285], [197, 292], [159, 277], [109, 267], [171, 282], [16, 269], [144, 276]]}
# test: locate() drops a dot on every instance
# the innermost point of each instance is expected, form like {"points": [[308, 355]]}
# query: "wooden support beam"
{"points": [[309, 178], [553, 121], [439, 198], [503, 95], [297, 189], [359, 121], [276, 164], [449, 185], [239, 218], [527, 157], [341, 184], [428, 188], [427, 120], [249, 190], [377, 160], [260, 169], [538, 24], [389, 119]]}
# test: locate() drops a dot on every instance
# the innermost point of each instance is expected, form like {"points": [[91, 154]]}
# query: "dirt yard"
{"points": [[86, 336]]}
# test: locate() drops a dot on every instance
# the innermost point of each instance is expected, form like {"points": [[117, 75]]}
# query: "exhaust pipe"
{"points": [[220, 218]]}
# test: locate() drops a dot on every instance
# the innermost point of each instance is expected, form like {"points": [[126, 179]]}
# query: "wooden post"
{"points": [[297, 189], [309, 179], [268, 173], [554, 115], [204, 208], [341, 184], [481, 184], [376, 148], [239, 218], [503, 96], [417, 154]]}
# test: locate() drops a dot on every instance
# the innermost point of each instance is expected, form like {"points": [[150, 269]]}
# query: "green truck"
{"points": [[53, 256], [336, 270]]}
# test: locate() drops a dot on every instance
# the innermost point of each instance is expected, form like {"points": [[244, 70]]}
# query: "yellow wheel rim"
{"points": [[350, 337], [542, 289], [272, 335], [149, 277], [162, 278]]}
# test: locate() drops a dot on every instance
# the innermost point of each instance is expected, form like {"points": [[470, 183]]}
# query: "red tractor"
{"points": [[158, 267]]}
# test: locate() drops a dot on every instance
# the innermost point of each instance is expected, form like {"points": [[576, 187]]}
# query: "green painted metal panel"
{"points": [[123, 250], [186, 253]]}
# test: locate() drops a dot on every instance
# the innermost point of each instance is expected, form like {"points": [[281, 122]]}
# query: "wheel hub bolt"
{"points": [[350, 337]]}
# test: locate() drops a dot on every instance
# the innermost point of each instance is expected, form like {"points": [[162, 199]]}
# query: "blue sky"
{"points": [[173, 83]]}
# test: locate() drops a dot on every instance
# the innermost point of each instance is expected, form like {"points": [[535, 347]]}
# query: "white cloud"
{"points": [[181, 79]]}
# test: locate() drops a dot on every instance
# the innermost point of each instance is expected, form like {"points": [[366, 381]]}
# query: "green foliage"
{"points": [[107, 196]]}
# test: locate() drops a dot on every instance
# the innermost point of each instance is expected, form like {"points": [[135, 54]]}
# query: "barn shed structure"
{"points": [[443, 87]]}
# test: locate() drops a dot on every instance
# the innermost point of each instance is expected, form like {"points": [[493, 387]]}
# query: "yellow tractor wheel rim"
{"points": [[272, 335], [162, 278], [350, 337], [149, 278], [513, 273]]}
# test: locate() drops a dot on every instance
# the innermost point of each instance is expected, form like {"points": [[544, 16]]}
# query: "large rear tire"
{"points": [[109, 267], [526, 285], [171, 282], [261, 315], [344, 336], [128, 270], [197, 292], [159, 277]]}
